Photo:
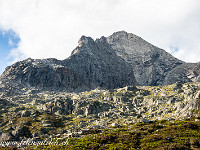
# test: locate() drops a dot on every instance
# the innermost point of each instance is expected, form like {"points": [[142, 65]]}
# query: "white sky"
{"points": [[52, 28]]}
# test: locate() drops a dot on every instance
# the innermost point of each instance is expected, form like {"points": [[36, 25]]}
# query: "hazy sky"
{"points": [[52, 28]]}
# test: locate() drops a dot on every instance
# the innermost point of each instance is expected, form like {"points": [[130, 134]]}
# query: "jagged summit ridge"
{"points": [[151, 65], [91, 65], [122, 59]]}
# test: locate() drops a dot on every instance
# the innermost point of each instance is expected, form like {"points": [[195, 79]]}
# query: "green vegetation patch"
{"points": [[159, 135]]}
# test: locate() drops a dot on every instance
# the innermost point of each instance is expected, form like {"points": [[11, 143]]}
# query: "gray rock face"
{"points": [[182, 73], [122, 59], [26, 113], [92, 64], [152, 65], [97, 65], [5, 137]]}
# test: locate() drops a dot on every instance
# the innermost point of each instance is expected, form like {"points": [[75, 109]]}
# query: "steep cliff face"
{"points": [[186, 72], [98, 65], [91, 65], [194, 72], [151, 64]]}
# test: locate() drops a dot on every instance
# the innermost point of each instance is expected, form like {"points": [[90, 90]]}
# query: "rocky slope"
{"points": [[44, 114]]}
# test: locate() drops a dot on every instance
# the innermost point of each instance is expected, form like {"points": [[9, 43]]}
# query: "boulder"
{"points": [[146, 120], [21, 132], [115, 125], [26, 113], [5, 137]]}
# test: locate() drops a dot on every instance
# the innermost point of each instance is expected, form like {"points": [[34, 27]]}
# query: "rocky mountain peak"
{"points": [[92, 64], [85, 41], [124, 35], [119, 60], [151, 64], [125, 42], [40, 100]]}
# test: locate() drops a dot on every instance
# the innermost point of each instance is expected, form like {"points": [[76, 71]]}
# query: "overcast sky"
{"points": [[52, 28]]}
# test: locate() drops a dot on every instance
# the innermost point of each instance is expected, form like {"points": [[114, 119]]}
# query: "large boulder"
{"points": [[5, 137]]}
